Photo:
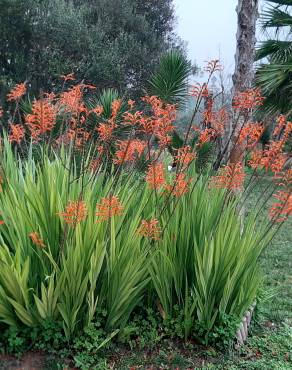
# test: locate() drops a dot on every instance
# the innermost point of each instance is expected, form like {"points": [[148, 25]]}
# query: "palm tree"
{"points": [[274, 74]]}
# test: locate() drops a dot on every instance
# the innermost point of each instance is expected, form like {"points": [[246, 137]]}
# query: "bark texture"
{"points": [[247, 14]]}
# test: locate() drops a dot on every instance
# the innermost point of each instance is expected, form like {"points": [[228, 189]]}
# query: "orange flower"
{"points": [[42, 119], [132, 119], [207, 135], [281, 123], [271, 158], [180, 185], [199, 90], [35, 238], [230, 177], [17, 133], [1, 112], [109, 207], [69, 77], [155, 176], [213, 66], [150, 229], [252, 133], [248, 99], [72, 99], [75, 212], [185, 156], [129, 150], [98, 110], [116, 106], [17, 92], [131, 103], [282, 209], [287, 131], [105, 131]]}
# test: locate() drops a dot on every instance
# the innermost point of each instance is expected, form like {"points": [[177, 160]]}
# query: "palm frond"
{"points": [[170, 81], [277, 50]]}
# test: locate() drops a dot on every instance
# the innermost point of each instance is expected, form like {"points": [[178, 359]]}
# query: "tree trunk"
{"points": [[247, 14]]}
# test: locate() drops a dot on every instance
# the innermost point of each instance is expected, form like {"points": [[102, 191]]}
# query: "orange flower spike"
{"points": [[35, 238], [42, 119], [98, 110], [230, 177], [248, 99], [128, 151], [105, 131], [281, 123], [131, 103], [181, 185], [252, 133], [68, 77], [17, 133], [155, 176], [131, 119], [75, 212], [17, 92], [282, 209], [287, 131], [116, 106], [206, 136], [185, 156], [213, 66], [109, 207], [72, 99], [150, 229]]}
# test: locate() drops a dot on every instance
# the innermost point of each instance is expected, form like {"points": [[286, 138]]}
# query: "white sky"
{"points": [[209, 27]]}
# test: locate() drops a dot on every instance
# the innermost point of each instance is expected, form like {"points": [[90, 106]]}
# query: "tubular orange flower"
{"points": [[131, 103], [180, 185], [248, 99], [213, 66], [42, 119], [132, 119], [198, 90], [98, 110], [36, 239], [185, 156], [287, 131], [116, 106], [207, 135], [128, 150], [72, 99], [281, 123], [282, 209], [271, 158], [105, 131], [17, 133], [252, 133], [1, 112], [68, 77], [230, 177], [109, 207], [17, 92], [75, 212], [150, 229], [155, 176]]}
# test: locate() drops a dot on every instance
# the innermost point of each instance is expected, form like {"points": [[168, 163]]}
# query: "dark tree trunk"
{"points": [[247, 14]]}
